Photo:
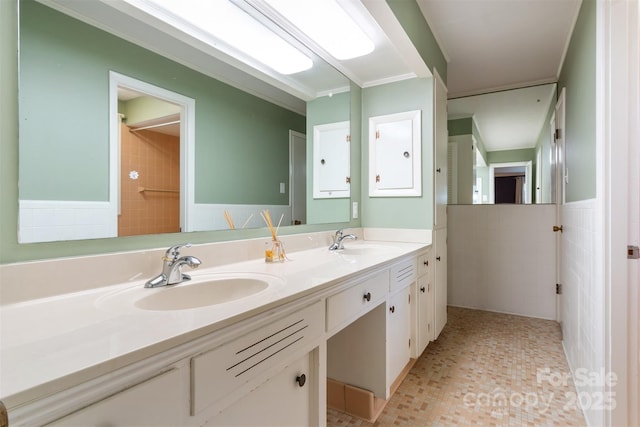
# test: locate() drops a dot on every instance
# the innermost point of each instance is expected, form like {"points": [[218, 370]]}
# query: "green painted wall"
{"points": [[400, 212], [479, 141], [322, 111], [410, 17], [10, 250], [506, 156], [578, 77], [460, 126], [64, 80]]}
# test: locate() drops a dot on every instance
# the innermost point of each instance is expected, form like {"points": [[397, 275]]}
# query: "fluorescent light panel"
{"points": [[229, 24], [328, 24]]}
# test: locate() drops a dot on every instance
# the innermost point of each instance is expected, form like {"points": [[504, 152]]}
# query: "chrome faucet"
{"points": [[338, 240], [172, 267]]}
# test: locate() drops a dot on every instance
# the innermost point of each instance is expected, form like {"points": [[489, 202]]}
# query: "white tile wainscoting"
{"points": [[583, 299], [502, 258]]}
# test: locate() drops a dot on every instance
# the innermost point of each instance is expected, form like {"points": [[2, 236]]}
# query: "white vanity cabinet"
{"points": [[286, 399], [440, 281], [265, 370], [424, 313], [398, 334], [219, 376], [161, 400], [372, 348]]}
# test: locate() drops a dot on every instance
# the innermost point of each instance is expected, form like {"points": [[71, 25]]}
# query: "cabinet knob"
{"points": [[422, 289], [438, 170], [367, 296], [392, 309], [426, 263], [438, 258], [301, 380]]}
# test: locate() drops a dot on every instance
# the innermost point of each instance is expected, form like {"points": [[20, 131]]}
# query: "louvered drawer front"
{"points": [[218, 373], [402, 274]]}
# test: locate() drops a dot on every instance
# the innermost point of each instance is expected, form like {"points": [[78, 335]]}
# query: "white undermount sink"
{"points": [[364, 248], [199, 294], [201, 291]]}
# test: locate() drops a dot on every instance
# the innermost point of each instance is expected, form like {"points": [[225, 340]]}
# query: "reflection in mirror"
{"points": [[149, 140], [239, 163], [331, 153], [501, 147]]}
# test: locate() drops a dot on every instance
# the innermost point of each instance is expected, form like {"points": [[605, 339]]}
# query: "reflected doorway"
{"points": [[152, 157], [149, 164], [510, 182]]}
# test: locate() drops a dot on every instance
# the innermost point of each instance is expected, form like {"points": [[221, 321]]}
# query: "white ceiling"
{"points": [[493, 45], [507, 120], [500, 44]]}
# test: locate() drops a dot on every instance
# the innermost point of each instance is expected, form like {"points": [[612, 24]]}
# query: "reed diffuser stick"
{"points": [[227, 216], [247, 221]]}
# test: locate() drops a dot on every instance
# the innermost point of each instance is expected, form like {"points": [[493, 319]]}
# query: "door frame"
{"points": [[187, 142], [617, 143], [292, 169], [559, 123], [527, 176]]}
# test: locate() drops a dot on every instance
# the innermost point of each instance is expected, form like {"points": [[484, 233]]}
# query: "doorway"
{"points": [[163, 177], [510, 182]]}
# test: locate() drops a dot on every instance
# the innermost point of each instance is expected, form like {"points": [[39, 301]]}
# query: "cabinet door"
{"points": [[425, 313], [284, 400], [395, 155], [398, 333], [158, 401], [440, 282], [440, 151]]}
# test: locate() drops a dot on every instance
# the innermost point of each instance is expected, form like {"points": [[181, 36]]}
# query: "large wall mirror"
{"points": [[117, 139], [502, 147]]}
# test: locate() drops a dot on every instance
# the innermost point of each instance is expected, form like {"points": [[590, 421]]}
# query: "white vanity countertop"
{"points": [[49, 344]]}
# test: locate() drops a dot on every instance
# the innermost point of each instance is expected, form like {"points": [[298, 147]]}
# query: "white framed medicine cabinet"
{"points": [[331, 157], [395, 155]]}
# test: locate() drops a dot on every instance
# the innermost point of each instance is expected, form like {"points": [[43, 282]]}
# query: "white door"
{"points": [[560, 174], [298, 178], [440, 151]]}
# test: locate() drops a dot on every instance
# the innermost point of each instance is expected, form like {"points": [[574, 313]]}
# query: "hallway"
{"points": [[485, 369]]}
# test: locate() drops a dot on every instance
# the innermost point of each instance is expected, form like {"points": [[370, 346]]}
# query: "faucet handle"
{"points": [[338, 234], [173, 252]]}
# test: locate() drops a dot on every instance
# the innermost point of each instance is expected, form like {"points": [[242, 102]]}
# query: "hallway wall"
{"points": [[502, 258]]}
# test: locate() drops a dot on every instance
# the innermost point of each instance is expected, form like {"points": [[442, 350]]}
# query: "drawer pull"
{"points": [[367, 296], [438, 258], [301, 380], [422, 289], [392, 309]]}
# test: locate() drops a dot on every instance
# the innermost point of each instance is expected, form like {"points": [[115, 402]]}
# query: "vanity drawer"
{"points": [[356, 300], [218, 373], [402, 274], [423, 263]]}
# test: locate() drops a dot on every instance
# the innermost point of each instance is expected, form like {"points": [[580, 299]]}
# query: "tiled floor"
{"points": [[485, 369]]}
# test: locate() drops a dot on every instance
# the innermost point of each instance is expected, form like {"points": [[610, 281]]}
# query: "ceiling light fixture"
{"points": [[327, 24], [224, 23]]}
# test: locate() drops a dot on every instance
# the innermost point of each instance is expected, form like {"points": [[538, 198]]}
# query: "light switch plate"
{"points": [[282, 188], [354, 209]]}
